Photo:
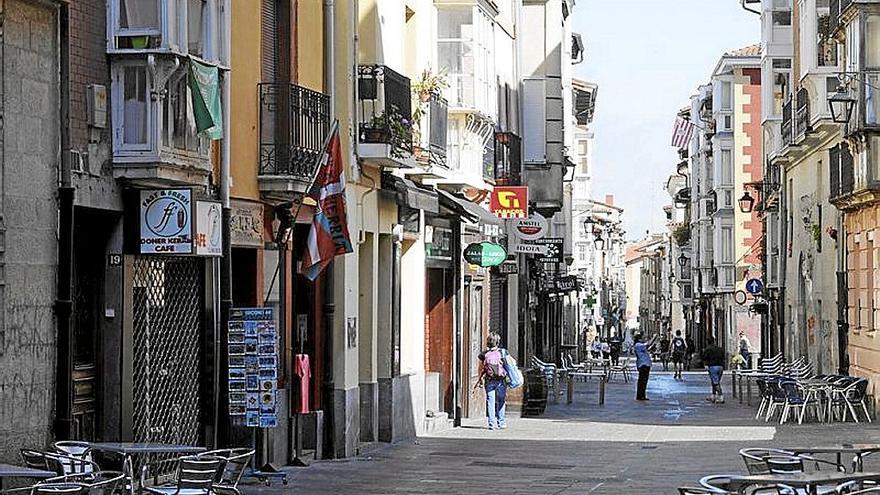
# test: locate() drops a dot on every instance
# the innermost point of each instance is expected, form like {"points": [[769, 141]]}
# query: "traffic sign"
{"points": [[740, 297], [755, 286]]}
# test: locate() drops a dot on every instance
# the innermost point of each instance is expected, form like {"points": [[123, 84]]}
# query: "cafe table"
{"points": [[858, 450], [130, 449], [809, 482], [12, 471]]}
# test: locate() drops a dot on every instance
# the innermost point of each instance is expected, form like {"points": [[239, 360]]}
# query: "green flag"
{"points": [[204, 85]]}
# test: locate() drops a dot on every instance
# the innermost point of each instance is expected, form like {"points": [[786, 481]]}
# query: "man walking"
{"points": [[664, 351], [679, 348], [744, 346], [643, 364], [713, 359]]}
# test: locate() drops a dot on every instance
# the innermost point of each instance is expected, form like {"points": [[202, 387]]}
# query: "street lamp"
{"points": [[588, 225], [682, 168], [682, 260], [746, 203], [599, 242], [842, 105]]}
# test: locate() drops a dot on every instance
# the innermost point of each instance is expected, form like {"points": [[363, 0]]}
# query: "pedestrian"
{"points": [[713, 359], [744, 349], [691, 349], [606, 350], [664, 351], [679, 348], [494, 377], [643, 364], [616, 346], [596, 348]]}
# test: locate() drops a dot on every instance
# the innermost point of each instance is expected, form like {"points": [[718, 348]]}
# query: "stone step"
{"points": [[438, 422]]}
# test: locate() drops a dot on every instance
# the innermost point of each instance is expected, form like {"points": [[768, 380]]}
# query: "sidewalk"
{"points": [[622, 447]]}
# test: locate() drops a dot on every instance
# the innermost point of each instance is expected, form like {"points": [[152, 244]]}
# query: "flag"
{"points": [[681, 134], [328, 236], [204, 85]]}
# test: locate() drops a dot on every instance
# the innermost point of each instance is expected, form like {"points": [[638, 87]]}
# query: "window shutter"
{"points": [[269, 40], [534, 121]]}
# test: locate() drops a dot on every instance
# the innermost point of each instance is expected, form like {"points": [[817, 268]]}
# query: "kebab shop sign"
{"points": [[166, 221]]}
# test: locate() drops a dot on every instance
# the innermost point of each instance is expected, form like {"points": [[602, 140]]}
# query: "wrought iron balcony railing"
{"points": [[841, 168], [508, 159], [294, 122], [803, 113], [837, 8], [787, 127], [385, 108], [438, 115]]}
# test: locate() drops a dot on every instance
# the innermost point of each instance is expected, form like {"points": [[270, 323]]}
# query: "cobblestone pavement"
{"points": [[579, 448]]}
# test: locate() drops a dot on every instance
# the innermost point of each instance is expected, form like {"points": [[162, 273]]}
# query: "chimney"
{"points": [[609, 199]]}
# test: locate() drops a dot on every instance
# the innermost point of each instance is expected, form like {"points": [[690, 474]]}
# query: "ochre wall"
{"points": [[244, 107]]}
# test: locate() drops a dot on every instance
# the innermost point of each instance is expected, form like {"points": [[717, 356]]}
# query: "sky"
{"points": [[649, 57]]}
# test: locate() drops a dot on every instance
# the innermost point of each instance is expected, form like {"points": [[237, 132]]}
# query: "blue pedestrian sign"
{"points": [[754, 286]]}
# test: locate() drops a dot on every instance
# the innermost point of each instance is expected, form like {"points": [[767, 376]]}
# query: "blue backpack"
{"points": [[514, 375]]}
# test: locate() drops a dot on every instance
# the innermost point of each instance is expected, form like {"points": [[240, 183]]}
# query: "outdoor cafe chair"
{"points": [[797, 400], [235, 462], [732, 484], [60, 489], [853, 488], [846, 395], [75, 449], [96, 483], [757, 461], [778, 398], [194, 476], [58, 463]]}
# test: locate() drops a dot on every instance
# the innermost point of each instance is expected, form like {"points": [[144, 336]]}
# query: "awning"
{"points": [[411, 195], [467, 210]]}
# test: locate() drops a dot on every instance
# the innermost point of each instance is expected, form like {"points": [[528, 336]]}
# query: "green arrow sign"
{"points": [[485, 254]]}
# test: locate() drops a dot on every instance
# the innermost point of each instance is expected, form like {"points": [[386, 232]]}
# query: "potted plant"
{"points": [[392, 128], [429, 84], [737, 361]]}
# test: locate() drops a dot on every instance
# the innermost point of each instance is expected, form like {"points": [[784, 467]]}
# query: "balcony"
{"points": [[841, 168], [294, 122], [787, 127], [802, 114], [508, 159], [385, 133], [837, 17]]}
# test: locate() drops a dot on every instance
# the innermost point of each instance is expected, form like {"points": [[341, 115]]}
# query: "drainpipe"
{"points": [[63, 423], [220, 392], [328, 285]]}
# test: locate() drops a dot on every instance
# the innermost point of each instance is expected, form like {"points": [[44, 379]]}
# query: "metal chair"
{"points": [[235, 462], [60, 489], [732, 484], [194, 476], [60, 464], [97, 482], [853, 488], [849, 394], [77, 450]]}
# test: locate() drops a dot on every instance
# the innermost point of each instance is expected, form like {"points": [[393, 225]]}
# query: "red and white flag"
{"points": [[328, 236], [681, 134]]}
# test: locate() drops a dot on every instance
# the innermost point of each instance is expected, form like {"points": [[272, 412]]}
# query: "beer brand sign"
{"points": [[166, 221], [529, 229], [510, 202]]}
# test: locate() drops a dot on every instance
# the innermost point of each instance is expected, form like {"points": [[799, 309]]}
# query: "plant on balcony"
{"points": [[429, 84], [392, 128], [681, 234]]}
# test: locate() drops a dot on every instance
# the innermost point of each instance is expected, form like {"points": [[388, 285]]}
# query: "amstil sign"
{"points": [[529, 229]]}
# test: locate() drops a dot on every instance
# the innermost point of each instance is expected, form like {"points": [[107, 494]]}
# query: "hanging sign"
{"points": [[508, 268], [246, 224], [485, 254], [529, 249], [166, 221], [529, 229], [510, 202], [253, 367], [554, 247], [209, 229]]}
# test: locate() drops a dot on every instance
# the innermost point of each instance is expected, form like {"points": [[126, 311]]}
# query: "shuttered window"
{"points": [[269, 40]]}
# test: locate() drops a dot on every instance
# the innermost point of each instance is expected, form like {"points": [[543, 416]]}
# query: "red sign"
{"points": [[510, 202]]}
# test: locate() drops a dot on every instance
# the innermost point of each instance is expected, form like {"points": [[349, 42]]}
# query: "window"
{"points": [[727, 244], [726, 96], [185, 27], [872, 42], [726, 168], [136, 113], [465, 49], [782, 18], [583, 253]]}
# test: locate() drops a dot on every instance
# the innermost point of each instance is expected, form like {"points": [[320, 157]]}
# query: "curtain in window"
{"points": [[139, 14]]}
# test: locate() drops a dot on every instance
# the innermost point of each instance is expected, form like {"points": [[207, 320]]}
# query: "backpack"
{"points": [[514, 375], [493, 365], [678, 346]]}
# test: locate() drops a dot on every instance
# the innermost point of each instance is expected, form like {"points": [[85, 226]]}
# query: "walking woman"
{"points": [[494, 377], [643, 364], [713, 359]]}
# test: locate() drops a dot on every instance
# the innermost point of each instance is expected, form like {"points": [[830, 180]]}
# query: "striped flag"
{"points": [[681, 134], [328, 236]]}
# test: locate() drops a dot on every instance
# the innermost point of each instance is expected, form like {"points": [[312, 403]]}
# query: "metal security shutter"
{"points": [[167, 326], [269, 40], [497, 304]]}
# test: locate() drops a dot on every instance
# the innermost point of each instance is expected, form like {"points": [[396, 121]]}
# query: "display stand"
{"points": [[253, 381]]}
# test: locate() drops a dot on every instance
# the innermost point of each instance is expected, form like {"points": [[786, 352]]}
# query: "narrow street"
{"points": [[674, 439]]}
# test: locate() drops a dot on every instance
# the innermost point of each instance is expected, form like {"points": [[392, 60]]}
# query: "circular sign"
{"points": [[166, 216], [485, 254], [755, 286], [739, 297], [530, 229]]}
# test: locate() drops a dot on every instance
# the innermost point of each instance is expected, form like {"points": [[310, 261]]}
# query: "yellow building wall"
{"points": [[310, 44], [244, 107], [863, 265]]}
